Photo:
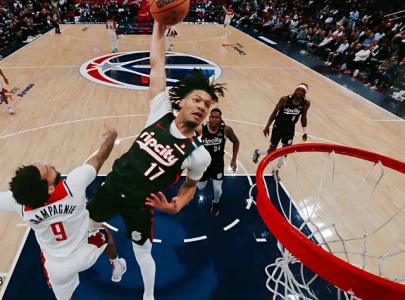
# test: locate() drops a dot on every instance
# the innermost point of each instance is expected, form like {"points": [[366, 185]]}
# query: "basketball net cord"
{"points": [[295, 286]]}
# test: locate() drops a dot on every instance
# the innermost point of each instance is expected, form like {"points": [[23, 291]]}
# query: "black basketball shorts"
{"points": [[214, 171], [138, 217], [285, 134]]}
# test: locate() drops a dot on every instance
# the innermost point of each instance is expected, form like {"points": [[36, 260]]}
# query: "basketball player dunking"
{"points": [[155, 161], [228, 15], [56, 210], [286, 114], [112, 31], [214, 135], [3, 94]]}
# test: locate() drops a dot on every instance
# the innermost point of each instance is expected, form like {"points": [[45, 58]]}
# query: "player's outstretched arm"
{"points": [[103, 153], [304, 120], [184, 196], [4, 76], [157, 78], [235, 141]]}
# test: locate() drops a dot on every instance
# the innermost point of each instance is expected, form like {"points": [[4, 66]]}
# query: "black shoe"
{"points": [[214, 209]]}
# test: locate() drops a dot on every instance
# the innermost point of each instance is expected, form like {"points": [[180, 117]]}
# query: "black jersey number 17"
{"points": [[151, 168]]}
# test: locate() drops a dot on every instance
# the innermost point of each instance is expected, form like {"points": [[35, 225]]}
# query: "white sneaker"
{"points": [[9, 110], [119, 270]]}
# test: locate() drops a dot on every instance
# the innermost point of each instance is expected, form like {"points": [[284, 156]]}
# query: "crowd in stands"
{"points": [[360, 41], [352, 38]]}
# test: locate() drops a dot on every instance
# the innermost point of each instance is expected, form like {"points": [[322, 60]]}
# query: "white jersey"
{"points": [[61, 225], [110, 25], [170, 31]]}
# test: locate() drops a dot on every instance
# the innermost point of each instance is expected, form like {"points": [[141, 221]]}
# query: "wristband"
{"points": [[305, 130]]}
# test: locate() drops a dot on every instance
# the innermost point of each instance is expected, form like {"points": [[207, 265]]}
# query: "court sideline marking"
{"points": [[227, 33], [140, 115], [262, 43], [14, 263]]}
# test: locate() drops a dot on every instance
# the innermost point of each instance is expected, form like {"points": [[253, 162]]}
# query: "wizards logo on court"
{"points": [[131, 70]]}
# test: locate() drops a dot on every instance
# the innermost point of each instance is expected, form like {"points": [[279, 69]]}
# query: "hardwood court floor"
{"points": [[60, 120]]}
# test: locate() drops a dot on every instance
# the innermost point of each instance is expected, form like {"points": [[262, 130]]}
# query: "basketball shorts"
{"points": [[227, 20], [62, 274], [285, 134], [214, 171], [138, 217]]}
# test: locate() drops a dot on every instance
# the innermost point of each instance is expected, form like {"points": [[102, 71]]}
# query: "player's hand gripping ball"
{"points": [[169, 12]]}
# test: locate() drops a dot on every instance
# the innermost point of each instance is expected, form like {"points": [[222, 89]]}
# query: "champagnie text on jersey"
{"points": [[53, 210]]}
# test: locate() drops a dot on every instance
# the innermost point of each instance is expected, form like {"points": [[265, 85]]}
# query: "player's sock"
{"points": [[217, 190], [262, 151], [280, 163], [147, 265], [202, 184]]}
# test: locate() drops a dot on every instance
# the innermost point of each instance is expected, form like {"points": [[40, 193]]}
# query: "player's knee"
{"points": [[142, 251], [93, 225], [201, 185], [109, 238]]}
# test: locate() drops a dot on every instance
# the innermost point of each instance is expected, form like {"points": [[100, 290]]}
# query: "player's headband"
{"points": [[301, 86]]}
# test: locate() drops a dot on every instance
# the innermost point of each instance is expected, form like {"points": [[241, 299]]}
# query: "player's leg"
{"points": [[139, 224], [102, 207], [114, 41], [101, 234], [276, 135], [167, 42], [204, 179], [62, 276], [286, 140], [217, 175], [3, 95]]}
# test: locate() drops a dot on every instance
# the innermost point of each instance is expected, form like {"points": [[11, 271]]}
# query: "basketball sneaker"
{"points": [[119, 270], [9, 110], [215, 209], [256, 156]]}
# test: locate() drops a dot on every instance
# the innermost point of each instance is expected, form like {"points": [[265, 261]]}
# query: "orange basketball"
{"points": [[169, 12]]}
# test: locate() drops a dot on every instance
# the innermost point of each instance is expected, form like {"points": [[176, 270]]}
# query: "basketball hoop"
{"points": [[321, 259]]}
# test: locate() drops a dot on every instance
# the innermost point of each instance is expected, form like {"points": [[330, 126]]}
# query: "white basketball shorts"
{"points": [[227, 20], [62, 274]]}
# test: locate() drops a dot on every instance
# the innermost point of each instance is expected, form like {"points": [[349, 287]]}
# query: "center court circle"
{"points": [[131, 70]]}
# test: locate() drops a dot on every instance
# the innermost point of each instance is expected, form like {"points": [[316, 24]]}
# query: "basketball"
{"points": [[169, 12]]}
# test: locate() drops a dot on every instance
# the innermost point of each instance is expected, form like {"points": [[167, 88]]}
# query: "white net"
{"points": [[352, 208]]}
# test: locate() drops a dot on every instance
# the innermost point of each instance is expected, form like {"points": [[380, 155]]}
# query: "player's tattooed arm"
{"points": [[304, 119], [282, 102], [235, 141], [103, 153], [157, 78]]}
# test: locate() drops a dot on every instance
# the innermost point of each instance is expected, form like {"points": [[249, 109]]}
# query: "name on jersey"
{"points": [[162, 153], [290, 111], [212, 142], [53, 210]]}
